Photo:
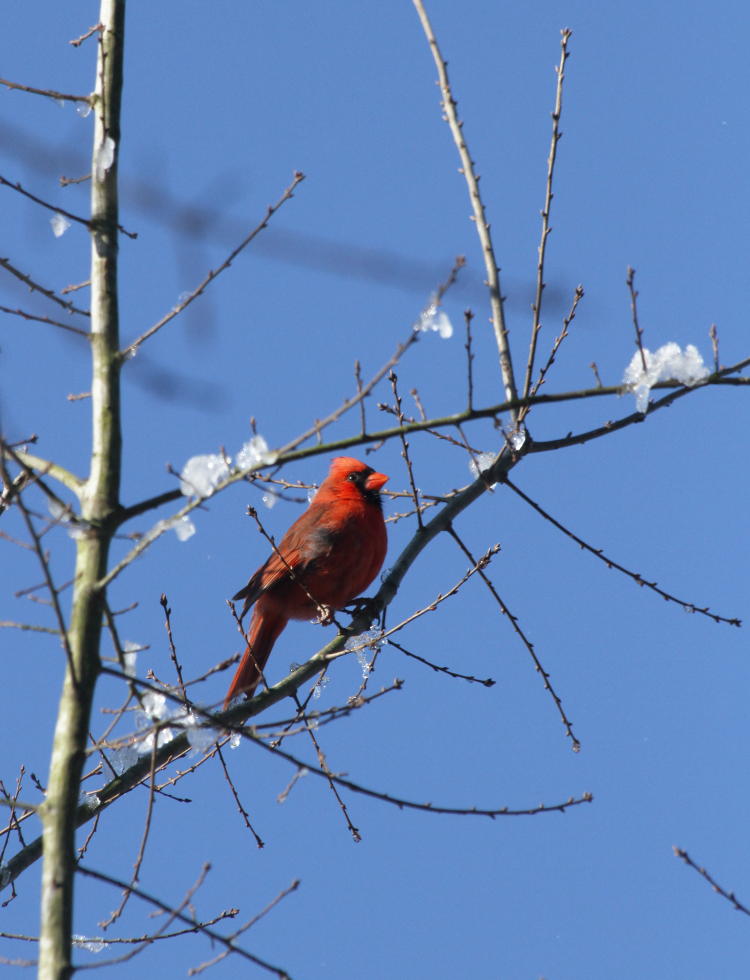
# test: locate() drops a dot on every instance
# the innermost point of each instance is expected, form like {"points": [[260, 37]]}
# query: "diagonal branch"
{"points": [[482, 225], [611, 563], [131, 349]]}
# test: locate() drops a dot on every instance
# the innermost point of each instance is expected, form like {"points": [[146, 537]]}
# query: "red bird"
{"points": [[326, 558]]}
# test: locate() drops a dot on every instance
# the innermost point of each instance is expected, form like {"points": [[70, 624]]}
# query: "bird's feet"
{"points": [[364, 606]]}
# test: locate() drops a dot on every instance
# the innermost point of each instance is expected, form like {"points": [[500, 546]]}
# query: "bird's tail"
{"points": [[265, 629]]}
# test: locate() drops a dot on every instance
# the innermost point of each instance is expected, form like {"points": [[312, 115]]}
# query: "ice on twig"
{"points": [[59, 223], [83, 109], [517, 438], [234, 740], [104, 157], [90, 800], [129, 657], [369, 641], [668, 363], [319, 685], [255, 452], [154, 710], [64, 515], [481, 463], [122, 759], [200, 739], [202, 474], [364, 664], [433, 318], [57, 510], [92, 945], [269, 500], [183, 527]]}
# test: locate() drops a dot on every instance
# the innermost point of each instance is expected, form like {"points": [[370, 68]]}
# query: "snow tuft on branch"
{"points": [[202, 474], [668, 363]]}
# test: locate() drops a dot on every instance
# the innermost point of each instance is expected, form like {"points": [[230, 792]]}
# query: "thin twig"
{"points": [[172, 651], [195, 970], [577, 297], [47, 92], [135, 877], [542, 249], [714, 335], [243, 812], [44, 563], [358, 379], [177, 914], [611, 563], [45, 319], [634, 311], [486, 681], [130, 350], [405, 447], [576, 745], [468, 317], [354, 831], [35, 287], [404, 804], [57, 210], [78, 41], [729, 896]]}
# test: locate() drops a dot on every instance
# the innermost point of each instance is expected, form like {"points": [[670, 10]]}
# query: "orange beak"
{"points": [[375, 481]]}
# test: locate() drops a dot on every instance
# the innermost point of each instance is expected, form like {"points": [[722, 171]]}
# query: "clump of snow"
{"points": [[269, 500], [433, 318], [83, 109], [104, 157], [668, 363], [255, 452], [59, 223], [202, 474], [234, 740], [183, 527]]}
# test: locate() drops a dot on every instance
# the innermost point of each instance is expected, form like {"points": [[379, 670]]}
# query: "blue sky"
{"points": [[222, 103]]}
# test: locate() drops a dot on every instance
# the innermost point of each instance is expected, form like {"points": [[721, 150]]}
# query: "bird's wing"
{"points": [[304, 543]]}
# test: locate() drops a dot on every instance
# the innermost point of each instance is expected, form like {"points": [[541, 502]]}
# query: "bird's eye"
{"points": [[352, 477]]}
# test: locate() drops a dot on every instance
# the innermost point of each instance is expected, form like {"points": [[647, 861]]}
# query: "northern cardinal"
{"points": [[326, 559]]}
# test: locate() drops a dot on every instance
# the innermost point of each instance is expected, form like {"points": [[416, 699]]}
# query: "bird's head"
{"points": [[348, 477]]}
